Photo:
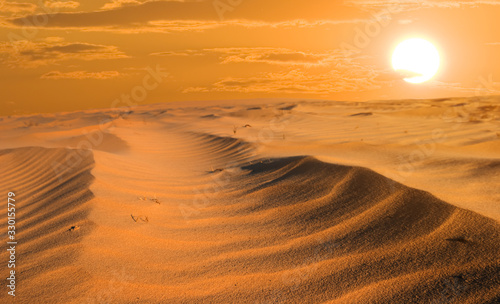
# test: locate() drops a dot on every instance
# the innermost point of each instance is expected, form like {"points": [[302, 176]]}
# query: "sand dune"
{"points": [[275, 201]]}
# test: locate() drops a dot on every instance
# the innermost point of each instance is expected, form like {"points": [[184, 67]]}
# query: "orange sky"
{"points": [[74, 55]]}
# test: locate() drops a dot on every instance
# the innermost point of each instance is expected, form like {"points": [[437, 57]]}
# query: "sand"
{"points": [[256, 201]]}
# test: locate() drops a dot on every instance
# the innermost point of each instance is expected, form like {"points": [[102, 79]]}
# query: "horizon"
{"points": [[193, 103]]}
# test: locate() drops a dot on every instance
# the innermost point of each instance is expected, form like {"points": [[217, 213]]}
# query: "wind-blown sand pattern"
{"points": [[257, 201], [49, 206]]}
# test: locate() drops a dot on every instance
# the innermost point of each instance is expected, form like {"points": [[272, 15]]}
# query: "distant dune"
{"points": [[257, 201]]}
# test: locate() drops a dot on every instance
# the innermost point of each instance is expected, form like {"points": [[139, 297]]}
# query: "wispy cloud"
{"points": [[279, 56], [136, 16], [170, 26], [295, 81], [406, 5], [29, 54], [16, 8], [119, 3], [62, 4], [81, 75]]}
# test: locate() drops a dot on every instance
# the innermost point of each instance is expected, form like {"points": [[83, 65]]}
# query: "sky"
{"points": [[59, 56]]}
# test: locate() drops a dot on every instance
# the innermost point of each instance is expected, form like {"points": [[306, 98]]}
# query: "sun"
{"points": [[417, 57]]}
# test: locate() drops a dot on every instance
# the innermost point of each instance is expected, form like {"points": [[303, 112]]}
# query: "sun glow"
{"points": [[418, 58]]}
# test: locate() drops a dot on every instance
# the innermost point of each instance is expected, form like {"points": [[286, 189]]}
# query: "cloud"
{"points": [[118, 16], [16, 8], [191, 14], [62, 4], [29, 54], [343, 73], [119, 3], [168, 26], [56, 75], [408, 5], [136, 16], [182, 53], [279, 56], [295, 81]]}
